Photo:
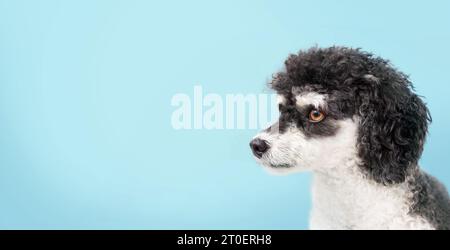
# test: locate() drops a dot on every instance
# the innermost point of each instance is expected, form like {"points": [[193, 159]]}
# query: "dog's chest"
{"points": [[358, 204]]}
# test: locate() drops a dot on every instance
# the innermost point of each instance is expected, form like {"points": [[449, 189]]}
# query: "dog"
{"points": [[354, 120]]}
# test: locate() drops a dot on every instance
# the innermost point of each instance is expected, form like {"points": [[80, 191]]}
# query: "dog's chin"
{"points": [[280, 168]]}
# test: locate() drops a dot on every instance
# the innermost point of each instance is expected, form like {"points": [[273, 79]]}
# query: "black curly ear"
{"points": [[393, 127]]}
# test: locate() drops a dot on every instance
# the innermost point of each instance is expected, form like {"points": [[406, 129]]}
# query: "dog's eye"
{"points": [[316, 115]]}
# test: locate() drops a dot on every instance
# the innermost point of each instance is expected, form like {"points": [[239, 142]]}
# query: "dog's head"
{"points": [[343, 106]]}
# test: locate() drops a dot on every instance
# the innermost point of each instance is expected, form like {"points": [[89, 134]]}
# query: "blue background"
{"points": [[85, 91]]}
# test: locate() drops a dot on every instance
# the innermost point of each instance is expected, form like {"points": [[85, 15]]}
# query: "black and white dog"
{"points": [[354, 121]]}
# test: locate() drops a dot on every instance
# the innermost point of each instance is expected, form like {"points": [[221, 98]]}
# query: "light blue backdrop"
{"points": [[85, 90]]}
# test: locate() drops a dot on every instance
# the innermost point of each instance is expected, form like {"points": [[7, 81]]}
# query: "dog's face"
{"points": [[339, 105], [312, 133]]}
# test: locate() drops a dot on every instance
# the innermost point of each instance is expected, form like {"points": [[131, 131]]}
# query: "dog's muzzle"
{"points": [[259, 147]]}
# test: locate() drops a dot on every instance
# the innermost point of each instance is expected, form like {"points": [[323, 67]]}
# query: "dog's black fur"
{"points": [[393, 119]]}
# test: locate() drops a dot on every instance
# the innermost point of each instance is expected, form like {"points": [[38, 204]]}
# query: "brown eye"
{"points": [[316, 116]]}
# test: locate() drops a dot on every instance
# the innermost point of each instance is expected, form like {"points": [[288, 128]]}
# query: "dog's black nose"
{"points": [[259, 147]]}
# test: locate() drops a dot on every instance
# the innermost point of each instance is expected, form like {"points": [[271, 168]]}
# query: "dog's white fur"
{"points": [[342, 197], [313, 98]]}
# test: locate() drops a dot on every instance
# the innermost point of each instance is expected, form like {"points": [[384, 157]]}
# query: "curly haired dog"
{"points": [[355, 122]]}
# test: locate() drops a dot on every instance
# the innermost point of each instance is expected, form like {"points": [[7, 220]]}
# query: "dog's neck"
{"points": [[343, 198]]}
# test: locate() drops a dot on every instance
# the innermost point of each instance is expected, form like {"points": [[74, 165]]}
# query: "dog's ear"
{"points": [[393, 127]]}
